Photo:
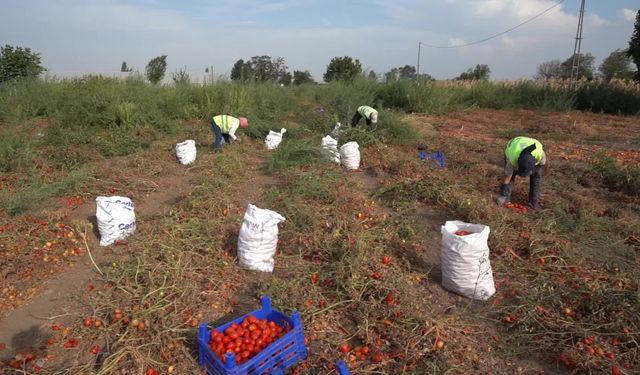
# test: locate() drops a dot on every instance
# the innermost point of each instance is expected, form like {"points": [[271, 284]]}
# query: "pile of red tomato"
{"points": [[517, 207], [246, 339]]}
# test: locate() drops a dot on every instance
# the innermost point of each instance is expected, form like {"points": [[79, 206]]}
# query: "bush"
{"points": [[618, 178], [608, 98]]}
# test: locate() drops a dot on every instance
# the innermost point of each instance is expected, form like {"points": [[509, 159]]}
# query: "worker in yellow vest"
{"points": [[370, 115], [524, 157], [224, 127]]}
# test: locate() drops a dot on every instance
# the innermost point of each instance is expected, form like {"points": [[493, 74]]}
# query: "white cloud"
{"points": [[490, 8], [629, 14], [456, 41], [596, 20]]}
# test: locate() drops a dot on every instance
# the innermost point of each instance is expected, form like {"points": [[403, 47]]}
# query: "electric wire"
{"points": [[498, 34]]}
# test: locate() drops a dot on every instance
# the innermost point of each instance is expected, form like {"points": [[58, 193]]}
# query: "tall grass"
{"points": [[618, 178]]}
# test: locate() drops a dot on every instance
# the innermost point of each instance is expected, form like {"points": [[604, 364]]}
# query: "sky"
{"points": [[76, 37]]}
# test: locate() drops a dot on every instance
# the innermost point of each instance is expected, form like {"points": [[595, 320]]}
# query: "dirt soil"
{"points": [[54, 298]]}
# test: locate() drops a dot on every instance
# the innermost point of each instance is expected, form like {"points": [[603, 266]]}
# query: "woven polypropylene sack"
{"points": [[466, 269], [116, 218], [186, 151], [350, 155], [273, 139], [330, 148], [258, 239]]}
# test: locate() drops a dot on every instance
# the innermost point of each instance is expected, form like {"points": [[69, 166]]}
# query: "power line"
{"points": [[498, 34]]}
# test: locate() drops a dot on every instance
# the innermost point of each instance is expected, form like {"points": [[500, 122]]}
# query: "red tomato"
{"points": [[386, 260], [345, 348], [314, 278], [95, 349], [71, 343], [389, 299], [377, 357]]}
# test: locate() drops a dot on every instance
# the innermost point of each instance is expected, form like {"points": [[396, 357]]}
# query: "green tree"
{"points": [[480, 72], [342, 69], [551, 69], [241, 71], [261, 69], [125, 68], [424, 77], [585, 70], [18, 62], [616, 65], [267, 69], [634, 46], [286, 79], [405, 72], [156, 68], [181, 77], [300, 77]]}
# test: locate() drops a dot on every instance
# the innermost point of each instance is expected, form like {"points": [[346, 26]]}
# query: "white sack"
{"points": [[465, 260], [350, 155], [258, 239], [186, 151], [116, 218], [274, 138], [330, 148]]}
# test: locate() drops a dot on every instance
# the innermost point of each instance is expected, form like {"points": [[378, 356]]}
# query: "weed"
{"points": [[618, 178], [298, 154]]}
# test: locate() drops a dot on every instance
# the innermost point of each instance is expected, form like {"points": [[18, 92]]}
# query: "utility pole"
{"points": [[418, 66], [575, 66]]}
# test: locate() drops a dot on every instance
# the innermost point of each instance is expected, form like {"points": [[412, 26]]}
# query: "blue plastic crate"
{"points": [[340, 366], [279, 355], [437, 157]]}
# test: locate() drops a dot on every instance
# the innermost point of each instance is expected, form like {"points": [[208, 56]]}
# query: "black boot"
{"points": [[534, 188]]}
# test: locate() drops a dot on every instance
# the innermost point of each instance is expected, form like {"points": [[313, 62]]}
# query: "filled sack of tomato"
{"points": [[258, 239], [465, 260], [273, 139], [186, 151], [116, 218]]}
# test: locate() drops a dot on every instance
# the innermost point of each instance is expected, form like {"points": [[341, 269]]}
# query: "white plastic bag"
{"points": [[274, 138], [330, 148], [258, 239], [116, 218], [186, 151], [465, 260], [350, 155]]}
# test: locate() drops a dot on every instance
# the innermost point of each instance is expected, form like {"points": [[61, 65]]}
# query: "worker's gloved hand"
{"points": [[535, 205], [501, 200], [505, 195]]}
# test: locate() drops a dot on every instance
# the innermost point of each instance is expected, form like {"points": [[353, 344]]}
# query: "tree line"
{"points": [[19, 62]]}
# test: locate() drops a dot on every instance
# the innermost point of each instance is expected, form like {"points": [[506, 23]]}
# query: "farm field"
{"points": [[358, 255]]}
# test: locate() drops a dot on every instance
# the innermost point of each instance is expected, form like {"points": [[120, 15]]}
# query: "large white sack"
{"points": [[258, 238], [350, 155], [116, 218], [465, 260], [274, 138], [186, 151], [330, 148]]}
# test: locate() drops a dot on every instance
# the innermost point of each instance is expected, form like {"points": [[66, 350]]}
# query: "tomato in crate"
{"points": [[260, 342]]}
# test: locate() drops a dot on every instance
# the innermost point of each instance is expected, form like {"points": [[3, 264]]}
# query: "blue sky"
{"points": [[75, 37]]}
